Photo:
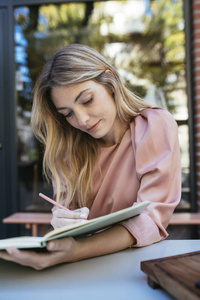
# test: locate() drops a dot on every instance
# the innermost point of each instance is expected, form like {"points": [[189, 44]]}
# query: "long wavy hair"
{"points": [[70, 154]]}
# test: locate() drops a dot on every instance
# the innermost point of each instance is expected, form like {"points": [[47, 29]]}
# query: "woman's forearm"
{"points": [[68, 249], [108, 241]]}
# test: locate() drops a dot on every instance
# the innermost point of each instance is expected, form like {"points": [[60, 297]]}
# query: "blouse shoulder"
{"points": [[155, 136], [154, 117], [153, 123]]}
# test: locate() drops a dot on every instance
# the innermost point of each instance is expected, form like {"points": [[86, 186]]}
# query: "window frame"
{"points": [[8, 138]]}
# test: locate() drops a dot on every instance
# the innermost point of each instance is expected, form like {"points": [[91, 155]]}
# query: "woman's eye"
{"points": [[88, 102], [68, 115]]}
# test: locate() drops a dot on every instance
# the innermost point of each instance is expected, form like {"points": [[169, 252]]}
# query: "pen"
{"points": [[52, 201]]}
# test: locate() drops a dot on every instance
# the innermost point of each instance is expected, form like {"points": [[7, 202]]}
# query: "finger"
{"points": [[21, 257], [61, 245], [5, 255], [69, 214], [54, 208], [60, 222], [37, 261], [84, 212]]}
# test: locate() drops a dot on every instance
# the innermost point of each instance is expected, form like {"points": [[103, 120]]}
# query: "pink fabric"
{"points": [[145, 165]]}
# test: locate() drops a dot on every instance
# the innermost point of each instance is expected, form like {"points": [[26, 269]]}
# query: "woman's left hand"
{"points": [[59, 251], [68, 249]]}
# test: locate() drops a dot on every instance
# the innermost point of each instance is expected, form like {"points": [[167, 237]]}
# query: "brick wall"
{"points": [[196, 88]]}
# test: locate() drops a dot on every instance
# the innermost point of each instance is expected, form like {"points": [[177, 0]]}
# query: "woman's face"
{"points": [[89, 107]]}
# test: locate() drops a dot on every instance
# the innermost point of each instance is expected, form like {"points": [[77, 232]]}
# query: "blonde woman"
{"points": [[105, 150]]}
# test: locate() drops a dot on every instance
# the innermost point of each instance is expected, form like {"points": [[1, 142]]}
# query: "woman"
{"points": [[104, 151]]}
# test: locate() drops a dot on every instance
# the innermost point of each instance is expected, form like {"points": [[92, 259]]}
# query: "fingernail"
{"points": [[83, 216], [10, 251], [51, 246]]}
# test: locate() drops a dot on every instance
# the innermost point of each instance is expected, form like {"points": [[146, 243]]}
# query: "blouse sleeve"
{"points": [[159, 172]]}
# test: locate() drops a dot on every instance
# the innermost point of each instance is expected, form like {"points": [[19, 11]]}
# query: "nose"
{"points": [[82, 117]]}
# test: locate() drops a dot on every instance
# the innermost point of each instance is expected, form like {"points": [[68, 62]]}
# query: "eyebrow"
{"points": [[75, 100]]}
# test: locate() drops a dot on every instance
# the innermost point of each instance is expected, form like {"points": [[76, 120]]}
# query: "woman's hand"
{"points": [[59, 251], [62, 217], [68, 249]]}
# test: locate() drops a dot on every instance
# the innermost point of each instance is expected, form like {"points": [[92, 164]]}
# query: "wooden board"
{"points": [[29, 218], [179, 275], [185, 219]]}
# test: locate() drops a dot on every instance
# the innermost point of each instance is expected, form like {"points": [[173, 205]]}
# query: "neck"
{"points": [[116, 138]]}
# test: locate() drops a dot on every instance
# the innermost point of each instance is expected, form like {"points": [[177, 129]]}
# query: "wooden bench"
{"points": [[185, 219], [31, 220], [36, 220]]}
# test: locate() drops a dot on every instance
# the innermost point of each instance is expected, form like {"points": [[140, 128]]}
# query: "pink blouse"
{"points": [[145, 165]]}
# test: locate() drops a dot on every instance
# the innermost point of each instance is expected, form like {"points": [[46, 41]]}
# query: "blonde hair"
{"points": [[70, 154]]}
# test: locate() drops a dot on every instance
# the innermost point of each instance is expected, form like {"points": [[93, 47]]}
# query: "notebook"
{"points": [[75, 230]]}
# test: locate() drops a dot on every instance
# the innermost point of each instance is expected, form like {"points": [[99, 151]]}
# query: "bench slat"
{"points": [[185, 219], [34, 220]]}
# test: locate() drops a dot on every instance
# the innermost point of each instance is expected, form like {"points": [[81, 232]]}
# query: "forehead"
{"points": [[74, 91], [67, 95]]}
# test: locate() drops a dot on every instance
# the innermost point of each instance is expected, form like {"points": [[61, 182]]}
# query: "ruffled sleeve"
{"points": [[158, 170]]}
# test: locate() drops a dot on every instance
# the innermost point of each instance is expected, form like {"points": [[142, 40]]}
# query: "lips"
{"points": [[94, 127]]}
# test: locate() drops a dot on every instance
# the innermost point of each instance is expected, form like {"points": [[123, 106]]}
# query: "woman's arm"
{"points": [[108, 241], [65, 250]]}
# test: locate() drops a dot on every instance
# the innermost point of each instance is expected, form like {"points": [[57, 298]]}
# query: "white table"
{"points": [[111, 277]]}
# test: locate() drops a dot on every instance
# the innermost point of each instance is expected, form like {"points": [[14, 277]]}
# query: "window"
{"points": [[143, 39]]}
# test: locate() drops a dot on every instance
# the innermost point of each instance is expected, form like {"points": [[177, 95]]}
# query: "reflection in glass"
{"points": [[144, 40]]}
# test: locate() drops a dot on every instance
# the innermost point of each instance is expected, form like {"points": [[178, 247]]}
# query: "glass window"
{"points": [[143, 39]]}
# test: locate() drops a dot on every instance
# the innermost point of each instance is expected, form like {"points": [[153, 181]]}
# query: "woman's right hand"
{"points": [[62, 217]]}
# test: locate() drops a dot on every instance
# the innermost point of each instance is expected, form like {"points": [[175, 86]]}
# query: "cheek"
{"points": [[72, 122], [108, 107], [111, 111]]}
